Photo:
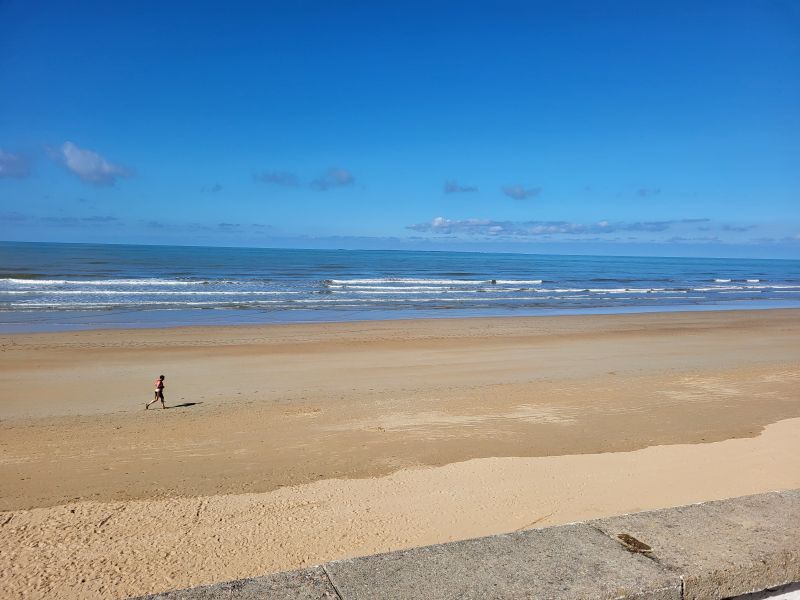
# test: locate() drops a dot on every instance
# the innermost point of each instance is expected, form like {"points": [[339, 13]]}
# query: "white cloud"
{"points": [[646, 192], [335, 177], [278, 178], [90, 166], [492, 228], [453, 187], [518, 192]]}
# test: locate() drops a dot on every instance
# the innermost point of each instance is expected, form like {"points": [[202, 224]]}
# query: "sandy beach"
{"points": [[290, 445]]}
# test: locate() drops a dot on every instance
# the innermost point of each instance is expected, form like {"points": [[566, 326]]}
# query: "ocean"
{"points": [[45, 287]]}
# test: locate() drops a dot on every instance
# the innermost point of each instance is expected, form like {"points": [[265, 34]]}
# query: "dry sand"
{"points": [[298, 444]]}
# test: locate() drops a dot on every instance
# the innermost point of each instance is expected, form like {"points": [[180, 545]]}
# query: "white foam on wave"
{"points": [[411, 280], [718, 288], [487, 290], [143, 293], [400, 292], [312, 301], [723, 288], [101, 281], [307, 302], [722, 281], [620, 290], [386, 287], [492, 289], [414, 280]]}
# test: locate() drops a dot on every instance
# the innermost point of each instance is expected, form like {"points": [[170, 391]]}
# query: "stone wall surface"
{"points": [[712, 550]]}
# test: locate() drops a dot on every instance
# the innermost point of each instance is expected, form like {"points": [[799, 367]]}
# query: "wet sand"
{"points": [[289, 445]]}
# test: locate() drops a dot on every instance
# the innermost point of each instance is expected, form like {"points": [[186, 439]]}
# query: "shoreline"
{"points": [[554, 314], [109, 320]]}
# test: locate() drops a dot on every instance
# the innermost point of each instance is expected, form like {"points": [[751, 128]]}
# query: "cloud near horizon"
{"points": [[13, 165], [739, 228], [76, 221], [284, 178], [334, 178], [519, 192], [648, 192], [492, 228], [453, 187], [90, 166]]}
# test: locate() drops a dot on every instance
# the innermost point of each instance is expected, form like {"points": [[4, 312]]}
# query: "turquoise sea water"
{"points": [[76, 286]]}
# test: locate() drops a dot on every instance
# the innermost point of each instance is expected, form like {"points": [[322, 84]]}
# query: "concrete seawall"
{"points": [[713, 550]]}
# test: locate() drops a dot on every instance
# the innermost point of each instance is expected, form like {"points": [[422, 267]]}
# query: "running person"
{"points": [[158, 394]]}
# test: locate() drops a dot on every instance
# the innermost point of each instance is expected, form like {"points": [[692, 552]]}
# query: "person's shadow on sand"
{"points": [[184, 405]]}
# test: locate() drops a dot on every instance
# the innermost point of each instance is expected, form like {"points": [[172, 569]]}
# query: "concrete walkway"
{"points": [[713, 550]]}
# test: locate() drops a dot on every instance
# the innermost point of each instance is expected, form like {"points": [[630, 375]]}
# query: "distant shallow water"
{"points": [[81, 286]]}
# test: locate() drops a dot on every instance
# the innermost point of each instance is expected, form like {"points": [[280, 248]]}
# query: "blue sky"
{"points": [[664, 128]]}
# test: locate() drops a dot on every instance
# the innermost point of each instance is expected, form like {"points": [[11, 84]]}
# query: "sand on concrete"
{"points": [[294, 444]]}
